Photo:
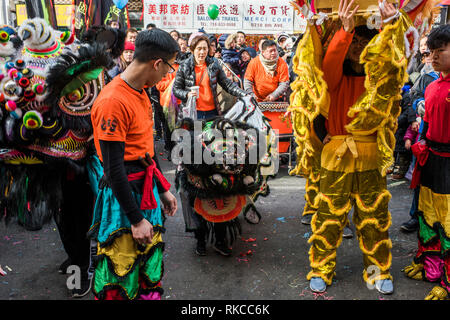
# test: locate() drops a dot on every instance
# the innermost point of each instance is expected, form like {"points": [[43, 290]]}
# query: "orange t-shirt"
{"points": [[165, 82], [121, 113], [344, 90], [263, 83], [205, 100]]}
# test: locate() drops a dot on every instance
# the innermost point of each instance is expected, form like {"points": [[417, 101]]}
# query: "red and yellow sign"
{"points": [[63, 14]]}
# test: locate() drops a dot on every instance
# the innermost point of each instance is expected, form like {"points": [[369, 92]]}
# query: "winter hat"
{"points": [[212, 39], [194, 35], [282, 36], [250, 50], [129, 46], [222, 39]]}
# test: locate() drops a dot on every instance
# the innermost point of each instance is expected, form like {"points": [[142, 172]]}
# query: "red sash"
{"points": [[148, 198]]}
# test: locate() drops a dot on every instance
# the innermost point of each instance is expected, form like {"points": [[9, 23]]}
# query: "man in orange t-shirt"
{"points": [[128, 214], [267, 76]]}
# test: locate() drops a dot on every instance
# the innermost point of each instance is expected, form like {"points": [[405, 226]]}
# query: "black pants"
{"points": [[161, 126], [75, 218], [219, 232]]}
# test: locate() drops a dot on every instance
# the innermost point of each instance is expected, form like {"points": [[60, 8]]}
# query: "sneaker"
{"points": [[252, 216], [306, 219], [348, 232], [221, 248], [63, 267], [385, 286], [85, 287], [410, 226], [201, 248], [316, 284], [398, 175]]}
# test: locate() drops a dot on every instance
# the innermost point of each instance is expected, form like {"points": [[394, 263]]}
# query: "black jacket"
{"points": [[185, 78]]}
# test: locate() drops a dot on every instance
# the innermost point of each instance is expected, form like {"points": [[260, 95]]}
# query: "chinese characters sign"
{"points": [[229, 18], [274, 16], [251, 16], [169, 14]]}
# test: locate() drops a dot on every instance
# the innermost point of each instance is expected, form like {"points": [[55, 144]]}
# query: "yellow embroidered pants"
{"points": [[349, 178], [312, 181]]}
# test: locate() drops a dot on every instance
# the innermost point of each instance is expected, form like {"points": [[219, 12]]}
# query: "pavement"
{"points": [[269, 261]]}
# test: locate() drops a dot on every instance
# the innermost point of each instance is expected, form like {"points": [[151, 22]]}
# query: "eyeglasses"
{"points": [[172, 69]]}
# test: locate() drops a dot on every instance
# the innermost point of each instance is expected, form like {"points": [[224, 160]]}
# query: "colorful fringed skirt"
{"points": [[434, 219], [125, 269]]}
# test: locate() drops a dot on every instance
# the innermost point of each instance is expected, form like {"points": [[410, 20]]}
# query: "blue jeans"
{"points": [[415, 201], [204, 115]]}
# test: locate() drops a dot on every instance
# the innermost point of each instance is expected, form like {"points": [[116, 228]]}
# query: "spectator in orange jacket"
{"points": [[267, 75]]}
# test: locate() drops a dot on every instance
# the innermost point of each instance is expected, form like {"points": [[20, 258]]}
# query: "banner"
{"points": [[63, 14], [251, 16], [229, 18], [169, 15], [270, 16]]}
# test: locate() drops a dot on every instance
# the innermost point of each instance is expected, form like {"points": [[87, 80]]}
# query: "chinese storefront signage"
{"points": [[251, 16]]}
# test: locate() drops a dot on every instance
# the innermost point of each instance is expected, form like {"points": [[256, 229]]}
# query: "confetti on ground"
{"points": [[265, 239], [282, 219], [249, 239], [322, 295], [2, 272], [248, 253], [307, 235], [296, 282], [9, 269], [302, 294]]}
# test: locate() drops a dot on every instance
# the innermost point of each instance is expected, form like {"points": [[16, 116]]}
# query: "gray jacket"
{"points": [[185, 78]]}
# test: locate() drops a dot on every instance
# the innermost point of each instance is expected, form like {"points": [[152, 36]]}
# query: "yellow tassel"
{"points": [[333, 209], [374, 206], [374, 222], [328, 280], [324, 225], [321, 263]]}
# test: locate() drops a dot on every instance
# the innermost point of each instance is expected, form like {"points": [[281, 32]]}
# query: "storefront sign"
{"points": [[252, 16]]}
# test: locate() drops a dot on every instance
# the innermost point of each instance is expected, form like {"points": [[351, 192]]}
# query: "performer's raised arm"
{"points": [[339, 45]]}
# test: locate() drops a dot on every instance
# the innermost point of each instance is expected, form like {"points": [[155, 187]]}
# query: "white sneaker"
{"points": [[385, 286]]}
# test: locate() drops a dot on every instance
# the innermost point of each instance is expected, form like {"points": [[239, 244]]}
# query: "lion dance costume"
{"points": [[353, 164], [48, 163], [219, 191]]}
